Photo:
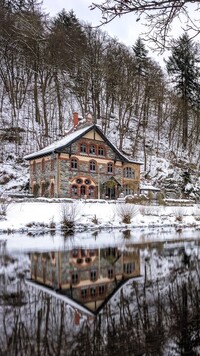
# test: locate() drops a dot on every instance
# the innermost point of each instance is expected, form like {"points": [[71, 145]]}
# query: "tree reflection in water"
{"points": [[56, 313]]}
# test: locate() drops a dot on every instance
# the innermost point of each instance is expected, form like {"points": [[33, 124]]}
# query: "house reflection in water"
{"points": [[89, 277]]}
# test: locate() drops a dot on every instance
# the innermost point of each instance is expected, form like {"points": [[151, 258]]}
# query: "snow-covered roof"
{"points": [[70, 138], [149, 187], [60, 143]]}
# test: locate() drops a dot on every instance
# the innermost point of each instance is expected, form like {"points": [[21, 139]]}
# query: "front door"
{"points": [[110, 192]]}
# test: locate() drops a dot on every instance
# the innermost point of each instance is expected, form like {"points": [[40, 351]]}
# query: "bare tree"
{"points": [[159, 15]]}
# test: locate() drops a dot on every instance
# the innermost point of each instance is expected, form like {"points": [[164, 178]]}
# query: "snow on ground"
{"points": [[96, 222], [95, 214]]}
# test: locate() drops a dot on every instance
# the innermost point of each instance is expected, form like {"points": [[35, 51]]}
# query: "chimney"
{"points": [[75, 119]]}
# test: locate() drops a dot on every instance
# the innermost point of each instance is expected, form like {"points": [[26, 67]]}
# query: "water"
{"points": [[102, 293]]}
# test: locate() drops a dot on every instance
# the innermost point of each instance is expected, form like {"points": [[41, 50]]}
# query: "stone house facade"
{"points": [[84, 164]]}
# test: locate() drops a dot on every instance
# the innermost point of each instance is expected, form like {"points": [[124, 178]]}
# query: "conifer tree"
{"points": [[182, 67]]}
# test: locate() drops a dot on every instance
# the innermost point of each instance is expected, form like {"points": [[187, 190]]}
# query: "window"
{"points": [[129, 172], [74, 163], [110, 167], [75, 278], [34, 167], [110, 273], [87, 181], [91, 191], [101, 151], [74, 253], [43, 189], [92, 150], [102, 290], [84, 293], [128, 190], [74, 190], [129, 267], [93, 275], [43, 165], [83, 190], [79, 181], [92, 253], [93, 291], [52, 163], [92, 166], [83, 148], [52, 190]]}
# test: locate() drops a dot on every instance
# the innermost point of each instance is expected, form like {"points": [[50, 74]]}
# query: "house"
{"points": [[83, 164], [89, 277], [150, 191]]}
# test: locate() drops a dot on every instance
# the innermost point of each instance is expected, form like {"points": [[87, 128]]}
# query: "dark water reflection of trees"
{"points": [[160, 317]]}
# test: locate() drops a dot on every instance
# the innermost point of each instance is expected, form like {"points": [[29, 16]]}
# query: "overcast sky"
{"points": [[125, 29]]}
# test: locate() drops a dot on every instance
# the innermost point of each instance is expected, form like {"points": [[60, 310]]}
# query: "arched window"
{"points": [[129, 172], [83, 190], [92, 149], [92, 166], [34, 167], [43, 165], [74, 163], [74, 190], [110, 167], [52, 189], [52, 163], [43, 189], [91, 191], [101, 151], [83, 148], [75, 278]]}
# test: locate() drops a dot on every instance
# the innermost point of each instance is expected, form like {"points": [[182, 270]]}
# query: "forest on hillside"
{"points": [[51, 67]]}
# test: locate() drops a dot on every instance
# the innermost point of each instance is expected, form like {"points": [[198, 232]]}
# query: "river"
{"points": [[109, 292]]}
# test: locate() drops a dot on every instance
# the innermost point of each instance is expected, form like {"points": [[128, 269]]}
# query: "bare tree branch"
{"points": [[159, 16]]}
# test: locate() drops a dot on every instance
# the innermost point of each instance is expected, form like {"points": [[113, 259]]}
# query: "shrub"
{"points": [[126, 212], [52, 224], [178, 214], [95, 220], [70, 212]]}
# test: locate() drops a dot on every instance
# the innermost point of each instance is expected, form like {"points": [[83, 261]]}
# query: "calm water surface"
{"points": [[100, 293]]}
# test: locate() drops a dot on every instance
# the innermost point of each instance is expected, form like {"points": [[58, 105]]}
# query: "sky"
{"points": [[126, 29]]}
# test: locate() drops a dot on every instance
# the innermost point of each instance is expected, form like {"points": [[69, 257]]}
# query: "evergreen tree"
{"points": [[141, 58], [182, 67]]}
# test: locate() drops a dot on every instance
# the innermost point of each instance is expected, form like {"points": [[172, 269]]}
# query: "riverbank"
{"points": [[48, 215]]}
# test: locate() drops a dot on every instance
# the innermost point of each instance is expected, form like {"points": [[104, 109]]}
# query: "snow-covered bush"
{"points": [[126, 212], [179, 213], [70, 212]]}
